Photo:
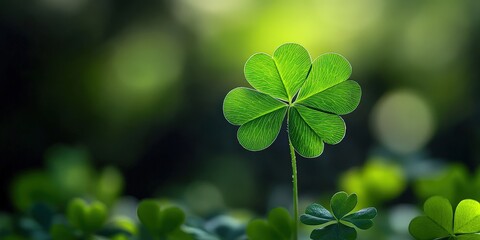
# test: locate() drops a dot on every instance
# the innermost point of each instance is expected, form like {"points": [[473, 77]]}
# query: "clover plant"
{"points": [[278, 226], [311, 95], [87, 217], [85, 221], [161, 222], [440, 222], [338, 224]]}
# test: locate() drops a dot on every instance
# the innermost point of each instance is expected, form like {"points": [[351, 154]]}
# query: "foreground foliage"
{"points": [[440, 222], [337, 224]]}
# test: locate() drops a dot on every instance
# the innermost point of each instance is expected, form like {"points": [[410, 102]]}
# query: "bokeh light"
{"points": [[403, 121]]}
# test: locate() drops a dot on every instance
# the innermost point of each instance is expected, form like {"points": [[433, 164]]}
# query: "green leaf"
{"points": [[305, 141], [260, 115], [280, 220], [316, 214], [330, 128], [88, 218], [171, 219], [242, 105], [362, 218], [440, 211], [149, 214], [424, 228], [293, 63], [260, 133], [327, 71], [282, 75], [334, 232], [339, 99], [61, 232], [260, 230], [262, 73], [342, 203], [278, 227], [467, 217], [96, 216], [469, 237], [159, 221]]}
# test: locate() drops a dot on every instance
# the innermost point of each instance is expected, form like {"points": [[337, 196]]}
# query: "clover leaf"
{"points": [[312, 95], [161, 222], [278, 226], [338, 224], [439, 221], [87, 217]]}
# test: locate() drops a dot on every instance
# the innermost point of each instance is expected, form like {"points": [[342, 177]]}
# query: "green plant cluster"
{"points": [[440, 222], [338, 224], [312, 96], [88, 220], [454, 183]]}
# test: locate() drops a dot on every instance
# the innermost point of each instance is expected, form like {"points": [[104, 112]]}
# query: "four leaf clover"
{"points": [[439, 221], [312, 95], [338, 223]]}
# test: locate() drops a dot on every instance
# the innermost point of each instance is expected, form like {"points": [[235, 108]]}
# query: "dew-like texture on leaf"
{"points": [[293, 63], [342, 203], [261, 72], [304, 139], [242, 105], [362, 218], [316, 214], [440, 211], [334, 232], [467, 217], [327, 71], [260, 133], [339, 99], [424, 228]]}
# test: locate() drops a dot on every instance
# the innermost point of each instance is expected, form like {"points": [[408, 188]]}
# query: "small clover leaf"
{"points": [[342, 203], [312, 95], [337, 224], [160, 221], [440, 222], [278, 226], [88, 218]]}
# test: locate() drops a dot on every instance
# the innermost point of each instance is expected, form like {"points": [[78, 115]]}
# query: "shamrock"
{"points": [[161, 221], [339, 223], [439, 221], [278, 226], [312, 95]]}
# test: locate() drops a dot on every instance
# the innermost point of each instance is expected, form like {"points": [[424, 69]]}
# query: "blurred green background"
{"points": [[130, 93]]}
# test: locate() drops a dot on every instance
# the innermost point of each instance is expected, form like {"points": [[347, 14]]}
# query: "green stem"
{"points": [[295, 190]]}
